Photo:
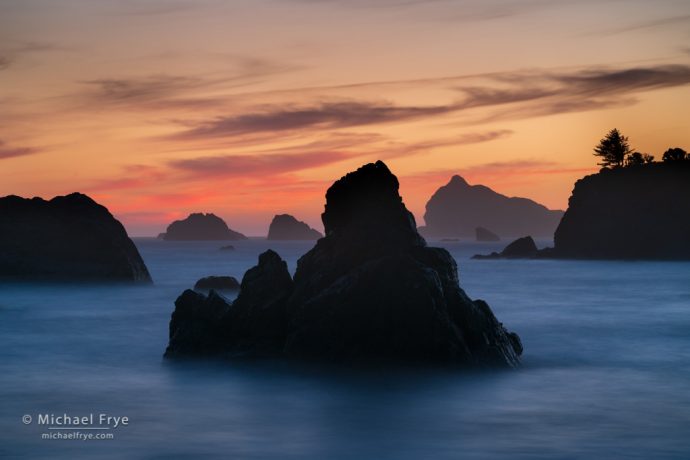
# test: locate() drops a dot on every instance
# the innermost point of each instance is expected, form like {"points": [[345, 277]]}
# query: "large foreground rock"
{"points": [[69, 238], [199, 227], [369, 291], [640, 212], [286, 227], [458, 208]]}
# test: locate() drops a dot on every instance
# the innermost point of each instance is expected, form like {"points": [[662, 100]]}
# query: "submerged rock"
{"points": [[227, 283], [198, 227], [369, 291], [522, 248], [69, 238], [483, 234], [286, 227]]}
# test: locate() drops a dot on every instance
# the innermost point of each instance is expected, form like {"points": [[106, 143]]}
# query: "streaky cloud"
{"points": [[524, 93], [329, 115], [256, 164], [7, 151]]}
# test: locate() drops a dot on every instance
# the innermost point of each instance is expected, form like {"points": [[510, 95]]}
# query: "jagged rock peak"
{"points": [[366, 204]]}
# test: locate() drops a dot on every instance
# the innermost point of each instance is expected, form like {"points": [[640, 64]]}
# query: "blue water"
{"points": [[606, 371]]}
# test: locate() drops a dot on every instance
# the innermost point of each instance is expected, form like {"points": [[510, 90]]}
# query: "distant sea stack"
{"points": [[483, 234], [370, 291], [522, 248], [200, 227], [638, 212], [69, 238], [286, 227], [457, 209]]}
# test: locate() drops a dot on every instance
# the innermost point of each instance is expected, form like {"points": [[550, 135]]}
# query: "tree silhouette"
{"points": [[675, 154], [637, 158], [613, 149]]}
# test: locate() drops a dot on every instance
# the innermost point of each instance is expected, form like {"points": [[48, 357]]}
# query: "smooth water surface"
{"points": [[606, 371]]}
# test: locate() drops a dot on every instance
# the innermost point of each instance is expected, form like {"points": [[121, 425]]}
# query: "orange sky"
{"points": [[252, 108]]}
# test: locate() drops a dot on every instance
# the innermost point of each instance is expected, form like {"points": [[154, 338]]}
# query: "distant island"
{"points": [[370, 291], [458, 208], [286, 227], [68, 239], [200, 227]]}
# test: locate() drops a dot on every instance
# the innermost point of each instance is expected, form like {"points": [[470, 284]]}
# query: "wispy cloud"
{"points": [[329, 115], [538, 93], [141, 90], [165, 92], [7, 151], [650, 24], [258, 164], [526, 93]]}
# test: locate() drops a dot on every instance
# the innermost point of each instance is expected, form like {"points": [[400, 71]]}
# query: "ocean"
{"points": [[605, 374]]}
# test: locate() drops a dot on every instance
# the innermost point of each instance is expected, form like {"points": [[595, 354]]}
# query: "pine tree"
{"points": [[613, 149]]}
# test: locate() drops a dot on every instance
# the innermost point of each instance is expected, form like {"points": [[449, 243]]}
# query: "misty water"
{"points": [[606, 371]]}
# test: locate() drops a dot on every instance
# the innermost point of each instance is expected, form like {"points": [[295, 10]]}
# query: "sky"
{"points": [[247, 109]]}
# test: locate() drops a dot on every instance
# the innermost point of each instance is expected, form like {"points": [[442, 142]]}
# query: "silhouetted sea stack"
{"points": [[457, 209], [640, 212], [522, 248], [370, 291], [198, 227], [286, 227], [483, 234], [69, 238]]}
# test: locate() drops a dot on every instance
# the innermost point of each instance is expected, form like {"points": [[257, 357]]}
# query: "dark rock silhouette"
{"points": [[483, 234], [199, 226], [228, 283], [69, 238], [457, 209], [639, 212], [369, 291], [286, 227], [522, 248], [229, 247], [253, 325]]}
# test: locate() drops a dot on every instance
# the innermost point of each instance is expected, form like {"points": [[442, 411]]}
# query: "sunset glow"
{"points": [[252, 108]]}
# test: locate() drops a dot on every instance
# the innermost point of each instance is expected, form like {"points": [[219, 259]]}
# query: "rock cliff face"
{"points": [[200, 226], [286, 227], [369, 291], [457, 209], [640, 212], [69, 238]]}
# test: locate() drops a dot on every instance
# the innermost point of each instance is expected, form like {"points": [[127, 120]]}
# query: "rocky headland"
{"points": [[68, 239]]}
